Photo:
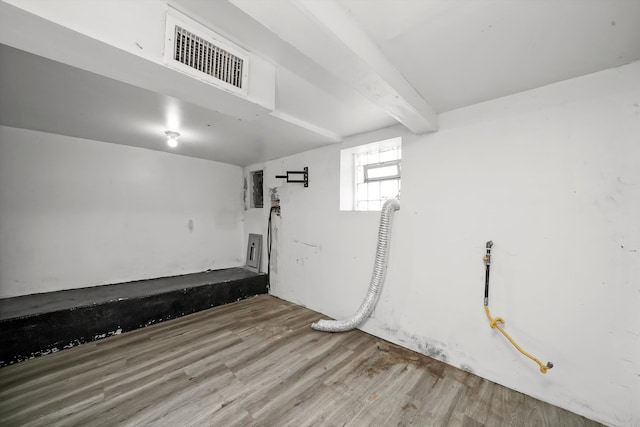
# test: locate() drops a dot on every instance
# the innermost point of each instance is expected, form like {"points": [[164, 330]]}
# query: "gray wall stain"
{"points": [[432, 351], [316, 248], [466, 368], [245, 189], [429, 349], [391, 330], [190, 225]]}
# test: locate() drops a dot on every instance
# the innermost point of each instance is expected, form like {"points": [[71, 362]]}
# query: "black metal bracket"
{"points": [[291, 176]]}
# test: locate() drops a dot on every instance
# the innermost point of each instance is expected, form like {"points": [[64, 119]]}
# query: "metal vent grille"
{"points": [[206, 57]]}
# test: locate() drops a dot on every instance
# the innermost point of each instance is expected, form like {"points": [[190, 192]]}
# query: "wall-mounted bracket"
{"points": [[297, 176]]}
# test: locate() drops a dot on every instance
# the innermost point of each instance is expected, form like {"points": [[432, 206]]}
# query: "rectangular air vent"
{"points": [[207, 58], [196, 50]]}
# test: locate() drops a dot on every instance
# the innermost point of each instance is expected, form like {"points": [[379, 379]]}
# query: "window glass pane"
{"points": [[389, 189], [360, 174], [362, 205], [383, 171], [374, 190], [388, 155], [373, 157], [362, 192], [375, 205]]}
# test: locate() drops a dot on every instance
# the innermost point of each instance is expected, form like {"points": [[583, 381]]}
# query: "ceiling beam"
{"points": [[327, 33], [332, 136]]}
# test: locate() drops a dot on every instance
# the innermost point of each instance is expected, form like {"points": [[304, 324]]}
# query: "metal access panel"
{"points": [[254, 252]]}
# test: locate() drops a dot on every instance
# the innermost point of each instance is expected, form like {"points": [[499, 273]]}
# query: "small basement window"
{"points": [[370, 175]]}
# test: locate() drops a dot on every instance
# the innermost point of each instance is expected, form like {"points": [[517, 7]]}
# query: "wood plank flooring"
{"points": [[256, 362]]}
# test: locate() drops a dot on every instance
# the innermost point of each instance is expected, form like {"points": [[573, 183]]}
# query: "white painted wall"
{"points": [[77, 213], [552, 176]]}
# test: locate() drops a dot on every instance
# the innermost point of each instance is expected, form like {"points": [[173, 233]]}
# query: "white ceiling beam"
{"points": [[326, 32], [332, 136]]}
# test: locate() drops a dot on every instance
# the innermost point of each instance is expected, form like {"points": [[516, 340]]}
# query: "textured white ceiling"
{"points": [[458, 53], [45, 95]]}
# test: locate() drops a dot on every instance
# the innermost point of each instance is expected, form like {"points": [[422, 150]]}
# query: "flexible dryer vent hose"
{"points": [[377, 279]]}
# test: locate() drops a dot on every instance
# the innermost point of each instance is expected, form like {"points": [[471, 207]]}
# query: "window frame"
{"points": [[366, 168], [353, 174]]}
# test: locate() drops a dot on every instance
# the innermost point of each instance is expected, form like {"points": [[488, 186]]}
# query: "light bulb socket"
{"points": [[172, 138]]}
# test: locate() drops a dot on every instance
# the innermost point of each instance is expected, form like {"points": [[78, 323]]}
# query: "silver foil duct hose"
{"points": [[377, 279]]}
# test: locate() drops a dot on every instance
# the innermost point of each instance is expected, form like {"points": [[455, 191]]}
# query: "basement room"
{"points": [[320, 213]]}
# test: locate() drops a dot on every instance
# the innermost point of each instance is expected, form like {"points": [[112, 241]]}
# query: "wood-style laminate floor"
{"points": [[256, 362]]}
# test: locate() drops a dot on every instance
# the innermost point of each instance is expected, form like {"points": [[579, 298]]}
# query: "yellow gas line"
{"points": [[493, 322]]}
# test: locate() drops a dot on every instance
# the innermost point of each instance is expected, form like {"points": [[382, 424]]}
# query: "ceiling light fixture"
{"points": [[172, 138]]}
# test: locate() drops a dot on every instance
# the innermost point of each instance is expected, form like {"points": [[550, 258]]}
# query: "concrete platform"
{"points": [[38, 324]]}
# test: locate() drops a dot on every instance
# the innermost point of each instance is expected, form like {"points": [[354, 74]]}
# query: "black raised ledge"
{"points": [[33, 325]]}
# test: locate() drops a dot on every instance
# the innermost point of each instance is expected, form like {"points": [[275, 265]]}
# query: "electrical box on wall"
{"points": [[254, 252], [257, 189]]}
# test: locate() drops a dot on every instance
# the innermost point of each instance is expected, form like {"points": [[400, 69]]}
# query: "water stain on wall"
{"points": [[466, 368], [190, 225], [432, 351], [391, 330], [428, 347], [245, 189]]}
